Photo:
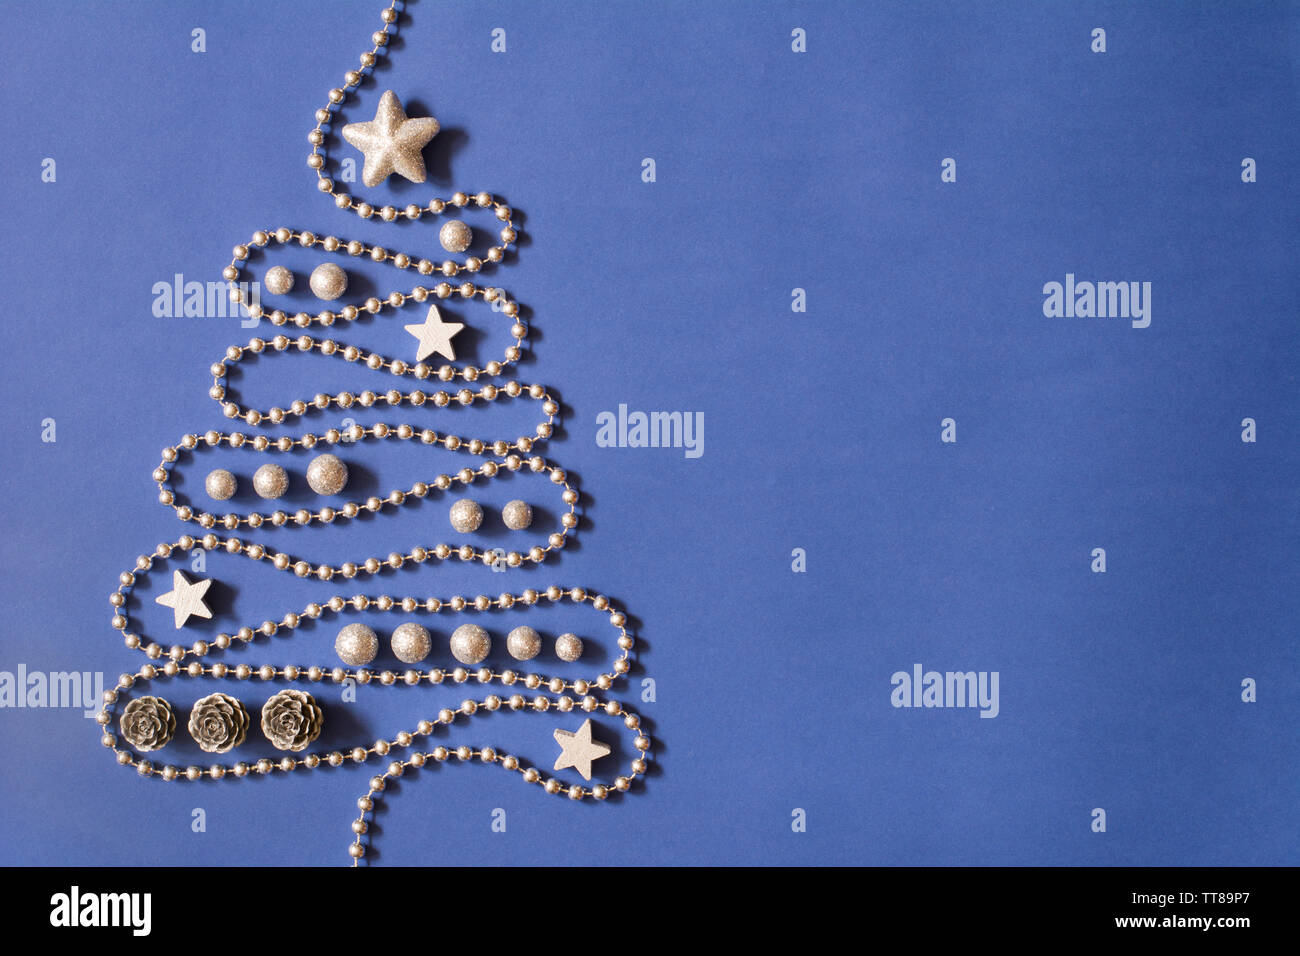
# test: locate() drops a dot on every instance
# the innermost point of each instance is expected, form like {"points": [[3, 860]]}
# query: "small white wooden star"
{"points": [[391, 142], [579, 750], [435, 335], [186, 599]]}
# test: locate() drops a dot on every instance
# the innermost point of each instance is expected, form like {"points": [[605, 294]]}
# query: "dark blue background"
{"points": [[775, 170]]}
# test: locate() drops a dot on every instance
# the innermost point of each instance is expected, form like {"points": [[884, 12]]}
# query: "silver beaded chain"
{"points": [[189, 662]]}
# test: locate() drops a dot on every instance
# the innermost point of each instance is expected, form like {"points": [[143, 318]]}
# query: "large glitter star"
{"points": [[186, 599], [391, 142], [434, 335], [579, 750]]}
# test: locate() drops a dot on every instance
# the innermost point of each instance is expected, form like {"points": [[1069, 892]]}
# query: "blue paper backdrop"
{"points": [[775, 171]]}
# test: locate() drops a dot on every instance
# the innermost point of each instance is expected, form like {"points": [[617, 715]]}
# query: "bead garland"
{"points": [[411, 677], [291, 719], [395, 498], [394, 300]]}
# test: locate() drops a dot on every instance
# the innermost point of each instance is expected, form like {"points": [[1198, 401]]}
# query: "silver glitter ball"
{"points": [[278, 280], [470, 644], [220, 484], [466, 515], [356, 645], [327, 475], [568, 647], [455, 236], [524, 643], [517, 515], [270, 481], [328, 281], [411, 643]]}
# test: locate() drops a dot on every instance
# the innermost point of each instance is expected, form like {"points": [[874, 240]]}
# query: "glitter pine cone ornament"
{"points": [[148, 723], [218, 723], [291, 720]]}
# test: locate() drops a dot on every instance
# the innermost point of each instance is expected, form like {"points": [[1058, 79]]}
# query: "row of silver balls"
{"points": [[357, 644], [328, 281], [467, 514], [326, 475]]}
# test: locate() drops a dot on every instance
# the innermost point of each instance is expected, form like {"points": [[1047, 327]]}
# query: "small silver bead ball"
{"points": [[466, 515], [356, 645], [278, 280], [220, 484], [270, 481], [411, 643], [455, 236], [470, 644], [524, 643], [517, 515], [568, 647], [327, 475], [328, 281]]}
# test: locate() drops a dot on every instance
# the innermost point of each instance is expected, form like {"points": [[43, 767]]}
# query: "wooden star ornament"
{"points": [[186, 598], [391, 142], [579, 750], [434, 335]]}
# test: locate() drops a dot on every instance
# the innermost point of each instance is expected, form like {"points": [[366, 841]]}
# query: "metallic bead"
{"points": [[278, 280], [328, 281], [524, 643], [568, 647], [218, 723], [466, 515], [220, 484], [470, 643], [411, 643], [517, 515], [148, 723], [291, 720], [270, 481], [455, 236], [327, 474], [356, 645]]}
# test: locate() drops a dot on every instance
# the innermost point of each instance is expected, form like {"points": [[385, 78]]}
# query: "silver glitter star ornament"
{"points": [[185, 599], [435, 335], [391, 142], [579, 750]]}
